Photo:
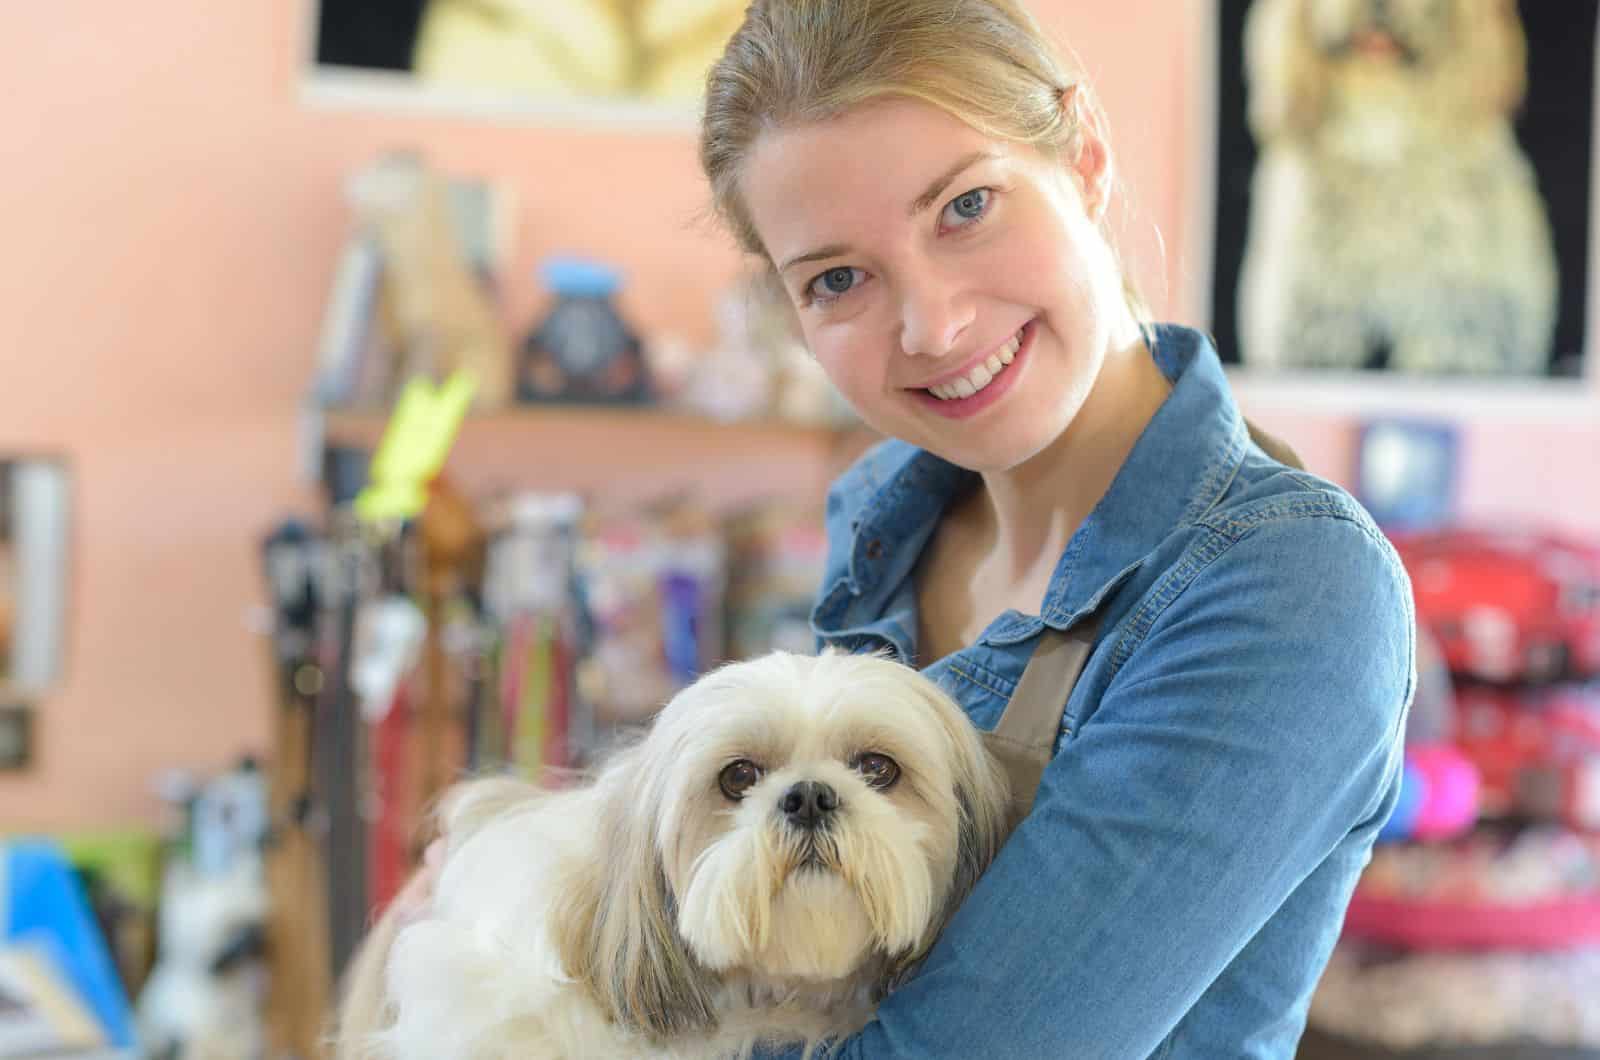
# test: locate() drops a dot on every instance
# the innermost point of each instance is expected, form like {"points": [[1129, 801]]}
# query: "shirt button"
{"points": [[874, 549]]}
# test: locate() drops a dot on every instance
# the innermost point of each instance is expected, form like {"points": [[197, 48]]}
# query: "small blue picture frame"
{"points": [[1406, 472]]}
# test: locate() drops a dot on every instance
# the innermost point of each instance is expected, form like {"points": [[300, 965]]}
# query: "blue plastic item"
{"points": [[574, 277], [44, 903], [1413, 794]]}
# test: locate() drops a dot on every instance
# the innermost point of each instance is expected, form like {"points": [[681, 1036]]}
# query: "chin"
{"points": [[763, 866]]}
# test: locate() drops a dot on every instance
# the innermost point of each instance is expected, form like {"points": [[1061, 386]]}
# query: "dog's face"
{"points": [[1408, 32], [1443, 58], [791, 818], [813, 813]]}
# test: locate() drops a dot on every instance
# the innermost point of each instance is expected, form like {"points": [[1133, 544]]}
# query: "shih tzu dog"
{"points": [[1395, 221], [763, 865]]}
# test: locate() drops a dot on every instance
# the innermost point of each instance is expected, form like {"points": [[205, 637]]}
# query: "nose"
{"points": [[933, 314], [809, 803]]}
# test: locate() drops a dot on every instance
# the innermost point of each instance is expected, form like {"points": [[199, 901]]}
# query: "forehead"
{"points": [[853, 173], [830, 708]]}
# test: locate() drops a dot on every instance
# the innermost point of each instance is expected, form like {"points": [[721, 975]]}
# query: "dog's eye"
{"points": [[881, 771], [738, 778]]}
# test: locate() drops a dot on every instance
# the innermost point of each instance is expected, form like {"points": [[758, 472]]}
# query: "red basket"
{"points": [[1550, 925]]}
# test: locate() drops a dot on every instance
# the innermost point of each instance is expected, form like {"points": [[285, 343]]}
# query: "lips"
{"points": [[968, 400], [977, 376]]}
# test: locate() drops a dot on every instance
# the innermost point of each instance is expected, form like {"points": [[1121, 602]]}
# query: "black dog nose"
{"points": [[808, 803]]}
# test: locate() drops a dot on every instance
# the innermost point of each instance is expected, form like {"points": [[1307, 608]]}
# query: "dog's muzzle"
{"points": [[809, 805]]}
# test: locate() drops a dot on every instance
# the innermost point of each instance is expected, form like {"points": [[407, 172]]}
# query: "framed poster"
{"points": [[1401, 191], [34, 529], [573, 59]]}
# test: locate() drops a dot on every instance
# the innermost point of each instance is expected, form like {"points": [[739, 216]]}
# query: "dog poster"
{"points": [[565, 56], [1403, 186]]}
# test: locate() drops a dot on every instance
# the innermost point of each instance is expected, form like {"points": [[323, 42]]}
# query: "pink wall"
{"points": [[173, 214]]}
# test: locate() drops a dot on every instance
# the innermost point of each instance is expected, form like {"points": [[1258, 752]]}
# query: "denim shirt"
{"points": [[1223, 765]]}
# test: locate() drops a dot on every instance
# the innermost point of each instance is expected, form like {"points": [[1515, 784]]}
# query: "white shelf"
{"points": [[1568, 401]]}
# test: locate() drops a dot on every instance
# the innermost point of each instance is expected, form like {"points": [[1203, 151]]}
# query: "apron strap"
{"points": [[1024, 739], [1274, 447]]}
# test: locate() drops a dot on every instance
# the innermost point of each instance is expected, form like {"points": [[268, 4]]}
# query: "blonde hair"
{"points": [[793, 62]]}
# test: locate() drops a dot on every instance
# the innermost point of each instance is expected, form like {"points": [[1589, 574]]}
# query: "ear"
{"points": [[1492, 71], [1088, 153], [983, 797], [616, 922], [1286, 73]]}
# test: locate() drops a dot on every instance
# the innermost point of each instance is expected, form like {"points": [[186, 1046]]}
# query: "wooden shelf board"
{"points": [[631, 454]]}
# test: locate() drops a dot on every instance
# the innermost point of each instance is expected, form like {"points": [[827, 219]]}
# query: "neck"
{"points": [[1033, 509]]}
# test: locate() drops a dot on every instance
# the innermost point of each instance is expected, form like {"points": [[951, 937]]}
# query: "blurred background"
{"points": [[380, 401]]}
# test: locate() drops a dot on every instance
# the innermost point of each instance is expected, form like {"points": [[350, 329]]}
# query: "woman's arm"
{"points": [[1253, 727]]}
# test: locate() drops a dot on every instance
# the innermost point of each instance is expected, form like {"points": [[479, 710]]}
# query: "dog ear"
{"points": [[983, 796], [616, 923], [1287, 75], [1491, 71]]}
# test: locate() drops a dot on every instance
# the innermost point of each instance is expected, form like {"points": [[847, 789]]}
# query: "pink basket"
{"points": [[1551, 925]]}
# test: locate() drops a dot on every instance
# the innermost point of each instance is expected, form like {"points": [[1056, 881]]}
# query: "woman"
{"points": [[928, 181]]}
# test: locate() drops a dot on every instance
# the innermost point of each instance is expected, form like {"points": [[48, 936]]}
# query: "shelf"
{"points": [[1567, 401], [631, 454]]}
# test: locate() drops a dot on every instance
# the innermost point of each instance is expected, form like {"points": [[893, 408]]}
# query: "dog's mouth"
{"points": [[816, 855], [1376, 42]]}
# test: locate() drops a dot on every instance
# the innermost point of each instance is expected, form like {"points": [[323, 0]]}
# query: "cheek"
{"points": [[851, 354]]}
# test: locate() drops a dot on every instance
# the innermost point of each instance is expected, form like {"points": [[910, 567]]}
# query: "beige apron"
{"points": [[1024, 739]]}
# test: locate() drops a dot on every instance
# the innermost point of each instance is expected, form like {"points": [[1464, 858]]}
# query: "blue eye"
{"points": [[967, 208], [835, 282]]}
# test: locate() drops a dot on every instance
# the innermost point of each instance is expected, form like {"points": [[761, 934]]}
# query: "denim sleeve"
{"points": [[1254, 724]]}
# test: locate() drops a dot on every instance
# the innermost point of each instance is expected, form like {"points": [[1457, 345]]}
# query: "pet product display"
{"points": [[1475, 930], [653, 588]]}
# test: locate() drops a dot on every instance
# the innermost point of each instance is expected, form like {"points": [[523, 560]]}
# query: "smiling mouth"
{"points": [[980, 375]]}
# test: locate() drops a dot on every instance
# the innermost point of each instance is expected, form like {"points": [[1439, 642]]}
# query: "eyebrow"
{"points": [[927, 198], [920, 203]]}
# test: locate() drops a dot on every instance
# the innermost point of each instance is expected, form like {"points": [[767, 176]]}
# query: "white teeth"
{"points": [[981, 375]]}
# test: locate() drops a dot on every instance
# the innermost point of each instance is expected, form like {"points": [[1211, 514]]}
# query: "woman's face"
{"points": [[956, 289]]}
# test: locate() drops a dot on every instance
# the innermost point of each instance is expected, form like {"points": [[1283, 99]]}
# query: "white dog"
{"points": [[786, 841], [1395, 221]]}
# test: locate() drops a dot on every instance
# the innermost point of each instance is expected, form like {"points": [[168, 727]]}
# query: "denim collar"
{"points": [[1177, 470]]}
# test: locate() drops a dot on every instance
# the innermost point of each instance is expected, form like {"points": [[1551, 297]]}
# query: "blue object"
{"points": [[1413, 794], [575, 277], [1406, 473], [44, 903]]}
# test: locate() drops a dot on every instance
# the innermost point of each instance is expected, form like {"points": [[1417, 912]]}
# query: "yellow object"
{"points": [[415, 443], [534, 710], [574, 49]]}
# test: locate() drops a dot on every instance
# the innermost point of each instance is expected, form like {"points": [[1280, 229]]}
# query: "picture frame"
{"points": [[35, 543], [1407, 472], [1237, 209], [579, 62]]}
